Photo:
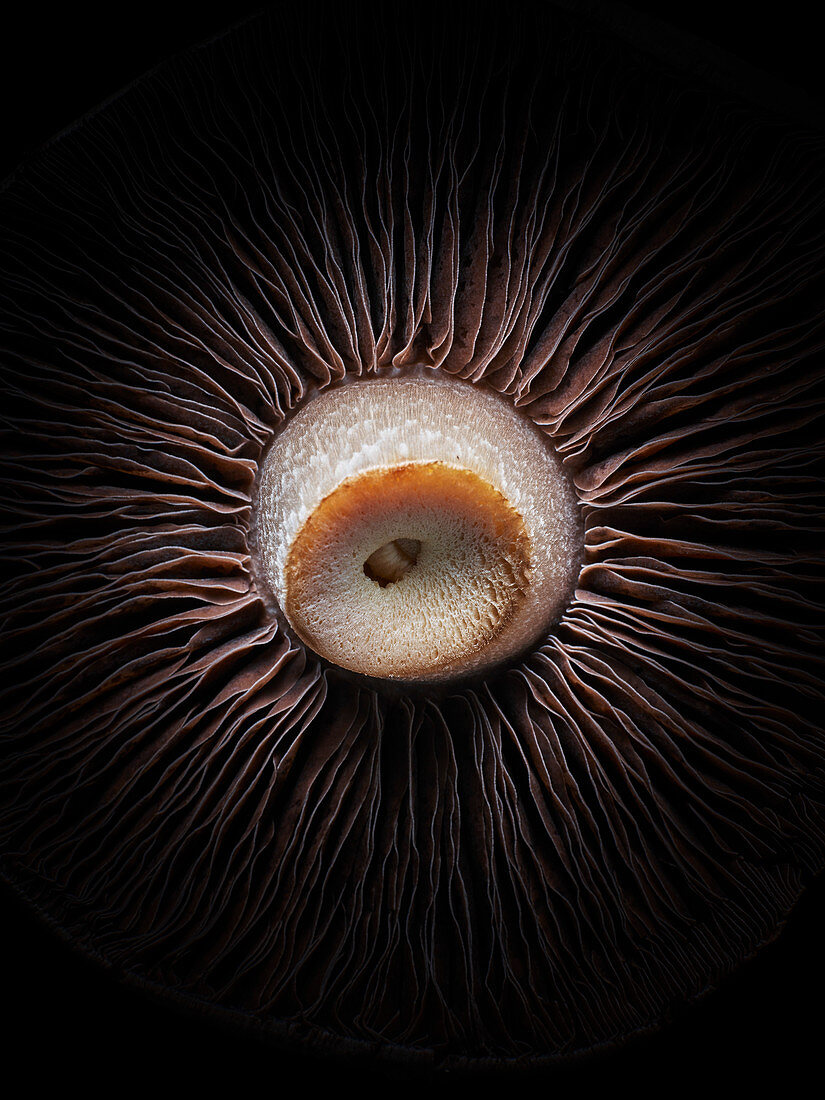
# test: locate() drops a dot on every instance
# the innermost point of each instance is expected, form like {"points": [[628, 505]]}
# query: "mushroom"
{"points": [[415, 529], [521, 859]]}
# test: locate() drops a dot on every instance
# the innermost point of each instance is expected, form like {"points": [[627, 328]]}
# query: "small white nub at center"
{"points": [[390, 562]]}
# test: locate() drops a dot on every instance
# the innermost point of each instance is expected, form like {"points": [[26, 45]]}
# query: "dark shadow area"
{"points": [[68, 1020]]}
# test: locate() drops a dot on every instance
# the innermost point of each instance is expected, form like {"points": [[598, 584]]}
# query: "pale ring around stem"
{"points": [[416, 528]]}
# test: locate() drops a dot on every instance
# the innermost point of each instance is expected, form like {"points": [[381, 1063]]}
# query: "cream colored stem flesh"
{"points": [[390, 562], [416, 529]]}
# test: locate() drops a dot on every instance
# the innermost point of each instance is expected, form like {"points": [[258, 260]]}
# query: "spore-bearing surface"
{"points": [[526, 867]]}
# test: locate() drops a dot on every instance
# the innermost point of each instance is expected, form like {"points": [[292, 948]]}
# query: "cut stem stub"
{"points": [[390, 562], [415, 528]]}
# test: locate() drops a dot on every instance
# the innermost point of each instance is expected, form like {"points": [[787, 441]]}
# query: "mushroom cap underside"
{"points": [[530, 866]]}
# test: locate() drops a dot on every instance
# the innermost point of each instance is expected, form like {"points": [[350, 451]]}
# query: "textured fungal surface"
{"points": [[518, 865], [415, 528]]}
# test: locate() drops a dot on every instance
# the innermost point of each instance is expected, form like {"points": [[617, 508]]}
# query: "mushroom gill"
{"points": [[506, 861]]}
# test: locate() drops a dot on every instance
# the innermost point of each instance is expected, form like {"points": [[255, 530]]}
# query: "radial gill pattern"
{"points": [[518, 866]]}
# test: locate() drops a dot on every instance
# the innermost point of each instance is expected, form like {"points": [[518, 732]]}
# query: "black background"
{"points": [[68, 1022]]}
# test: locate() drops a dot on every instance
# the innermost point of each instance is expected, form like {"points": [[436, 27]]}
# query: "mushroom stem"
{"points": [[390, 562], [372, 479]]}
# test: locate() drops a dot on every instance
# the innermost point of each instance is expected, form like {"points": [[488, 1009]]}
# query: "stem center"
{"points": [[391, 561]]}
